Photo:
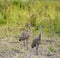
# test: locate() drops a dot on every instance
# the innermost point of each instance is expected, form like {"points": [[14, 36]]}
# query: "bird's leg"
{"points": [[27, 43], [21, 45], [36, 49], [24, 44]]}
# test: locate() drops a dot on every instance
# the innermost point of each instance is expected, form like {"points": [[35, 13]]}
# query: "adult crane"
{"points": [[36, 41], [25, 35]]}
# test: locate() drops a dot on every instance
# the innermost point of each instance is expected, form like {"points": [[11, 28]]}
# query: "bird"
{"points": [[25, 35], [36, 41]]}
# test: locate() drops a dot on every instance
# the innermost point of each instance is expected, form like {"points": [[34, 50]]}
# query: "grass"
{"points": [[16, 15], [51, 48]]}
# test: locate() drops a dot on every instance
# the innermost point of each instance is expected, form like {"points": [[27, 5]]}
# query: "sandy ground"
{"points": [[17, 50]]}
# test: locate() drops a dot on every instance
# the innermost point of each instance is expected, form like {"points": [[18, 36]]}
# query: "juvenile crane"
{"points": [[25, 35], [36, 41]]}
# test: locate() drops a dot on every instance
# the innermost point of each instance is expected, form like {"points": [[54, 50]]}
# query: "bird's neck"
{"points": [[40, 36], [29, 28]]}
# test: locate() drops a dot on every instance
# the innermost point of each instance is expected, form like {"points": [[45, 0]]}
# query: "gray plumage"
{"points": [[24, 35], [36, 41]]}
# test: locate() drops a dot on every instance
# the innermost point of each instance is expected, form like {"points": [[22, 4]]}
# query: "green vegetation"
{"points": [[17, 14], [51, 48], [37, 12]]}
